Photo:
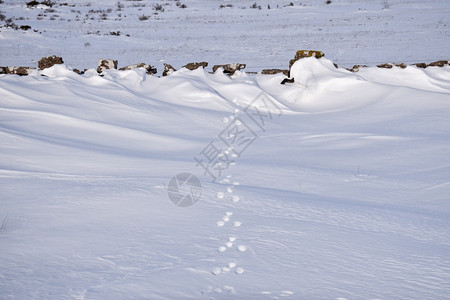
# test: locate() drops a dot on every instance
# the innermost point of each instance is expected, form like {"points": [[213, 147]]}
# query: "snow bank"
{"points": [[343, 193]]}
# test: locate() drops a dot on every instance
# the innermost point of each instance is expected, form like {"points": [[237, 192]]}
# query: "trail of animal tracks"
{"points": [[335, 186]]}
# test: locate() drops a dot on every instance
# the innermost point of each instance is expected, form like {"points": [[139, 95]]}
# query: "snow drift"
{"points": [[342, 194]]}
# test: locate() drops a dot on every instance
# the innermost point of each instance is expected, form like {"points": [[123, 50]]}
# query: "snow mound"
{"points": [[310, 72], [320, 86]]}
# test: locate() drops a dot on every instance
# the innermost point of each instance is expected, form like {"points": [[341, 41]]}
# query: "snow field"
{"points": [[343, 194], [349, 32]]}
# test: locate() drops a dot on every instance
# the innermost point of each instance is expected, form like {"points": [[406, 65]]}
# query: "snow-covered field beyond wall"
{"points": [[336, 186], [348, 32]]}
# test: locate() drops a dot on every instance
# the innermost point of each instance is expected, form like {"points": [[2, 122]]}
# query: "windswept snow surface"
{"points": [[343, 192]]}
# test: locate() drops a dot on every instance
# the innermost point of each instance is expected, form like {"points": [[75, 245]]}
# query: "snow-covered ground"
{"points": [[348, 31], [334, 187], [342, 192]]}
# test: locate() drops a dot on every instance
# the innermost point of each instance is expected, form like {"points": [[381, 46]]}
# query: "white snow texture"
{"points": [[333, 187]]}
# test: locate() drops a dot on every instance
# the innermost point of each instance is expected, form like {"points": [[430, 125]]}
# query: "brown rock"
{"points": [[385, 66], [196, 65], [106, 64], [439, 63], [402, 65], [230, 69], [151, 70], [50, 61], [356, 68], [168, 69], [420, 65], [274, 71], [79, 72], [287, 80], [22, 71], [305, 53]]}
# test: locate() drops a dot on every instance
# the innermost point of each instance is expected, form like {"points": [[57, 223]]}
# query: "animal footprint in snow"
{"points": [[229, 190], [225, 290], [237, 224], [286, 293], [282, 294], [235, 198], [225, 219], [242, 248], [222, 249], [227, 216], [229, 289], [225, 269], [220, 195], [230, 242]]}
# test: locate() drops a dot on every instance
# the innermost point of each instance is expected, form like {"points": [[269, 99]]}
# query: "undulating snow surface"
{"points": [[340, 189]]}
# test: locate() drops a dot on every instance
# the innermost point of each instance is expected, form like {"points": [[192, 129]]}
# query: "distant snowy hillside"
{"points": [[152, 31], [334, 187]]}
